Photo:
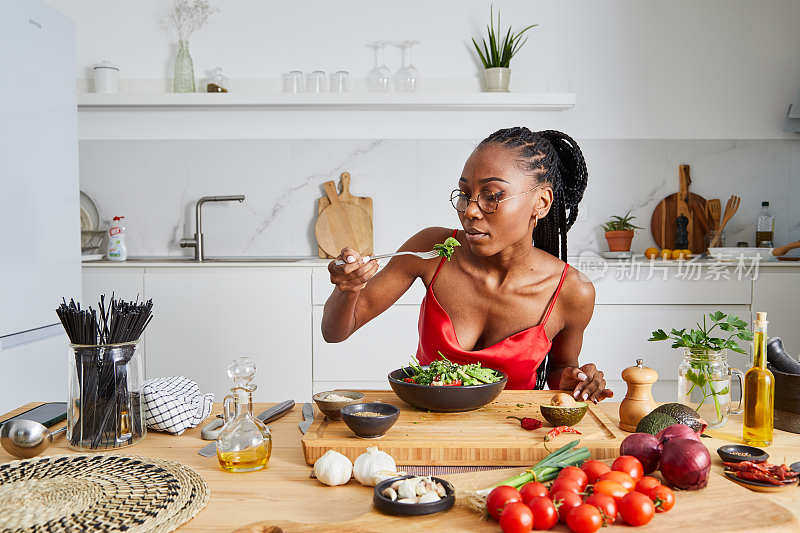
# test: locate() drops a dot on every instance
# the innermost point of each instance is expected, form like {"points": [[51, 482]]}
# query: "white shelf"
{"points": [[347, 101]]}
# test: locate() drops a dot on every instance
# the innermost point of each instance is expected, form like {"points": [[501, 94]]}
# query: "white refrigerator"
{"points": [[39, 199]]}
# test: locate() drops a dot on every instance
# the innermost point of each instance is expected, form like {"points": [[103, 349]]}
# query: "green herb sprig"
{"points": [[447, 247]]}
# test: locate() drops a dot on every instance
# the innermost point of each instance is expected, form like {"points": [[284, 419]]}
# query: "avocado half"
{"points": [[563, 416]]}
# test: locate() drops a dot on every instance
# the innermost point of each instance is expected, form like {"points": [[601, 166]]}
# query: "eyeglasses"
{"points": [[487, 201]]}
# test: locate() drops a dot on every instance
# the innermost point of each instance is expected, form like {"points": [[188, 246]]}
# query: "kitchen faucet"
{"points": [[197, 242]]}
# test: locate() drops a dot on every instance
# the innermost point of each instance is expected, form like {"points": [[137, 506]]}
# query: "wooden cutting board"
{"points": [[700, 511], [342, 225], [663, 223], [363, 202], [484, 437]]}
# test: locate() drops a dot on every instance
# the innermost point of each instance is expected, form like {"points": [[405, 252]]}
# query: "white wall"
{"points": [[640, 68]]}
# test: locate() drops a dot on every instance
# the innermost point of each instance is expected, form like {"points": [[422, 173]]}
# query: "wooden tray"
{"points": [[700, 510], [484, 437]]}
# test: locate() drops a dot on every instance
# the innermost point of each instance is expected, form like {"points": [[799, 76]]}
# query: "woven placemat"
{"points": [[98, 492]]}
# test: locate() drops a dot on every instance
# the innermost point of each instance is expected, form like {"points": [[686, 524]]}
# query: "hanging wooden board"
{"points": [[663, 227], [363, 202], [342, 225], [474, 438]]}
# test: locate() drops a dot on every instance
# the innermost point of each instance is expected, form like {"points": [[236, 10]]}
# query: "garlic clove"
{"points": [[429, 497], [407, 500], [390, 493]]}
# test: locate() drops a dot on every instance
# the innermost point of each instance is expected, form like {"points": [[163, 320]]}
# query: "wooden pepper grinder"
{"points": [[639, 400]]}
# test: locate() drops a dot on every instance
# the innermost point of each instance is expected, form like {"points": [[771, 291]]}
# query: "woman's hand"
{"points": [[586, 383], [354, 274]]}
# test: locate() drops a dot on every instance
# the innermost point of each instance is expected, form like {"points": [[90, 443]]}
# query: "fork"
{"points": [[422, 255], [730, 209]]}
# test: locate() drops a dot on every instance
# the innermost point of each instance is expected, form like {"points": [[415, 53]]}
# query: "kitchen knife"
{"points": [[270, 415], [308, 418]]}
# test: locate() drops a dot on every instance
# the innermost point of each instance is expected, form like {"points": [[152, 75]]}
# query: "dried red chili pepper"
{"points": [[528, 423], [757, 476], [556, 431]]}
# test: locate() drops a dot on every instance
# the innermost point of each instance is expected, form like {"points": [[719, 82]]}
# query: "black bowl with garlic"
{"points": [[414, 495]]}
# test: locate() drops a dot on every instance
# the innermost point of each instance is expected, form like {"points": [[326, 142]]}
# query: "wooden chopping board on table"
{"points": [[342, 224], [345, 196], [484, 437], [722, 507], [663, 224]]}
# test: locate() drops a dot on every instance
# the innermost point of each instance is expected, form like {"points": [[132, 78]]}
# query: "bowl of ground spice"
{"points": [[370, 420]]}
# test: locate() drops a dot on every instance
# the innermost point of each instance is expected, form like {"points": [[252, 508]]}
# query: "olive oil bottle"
{"points": [[759, 390]]}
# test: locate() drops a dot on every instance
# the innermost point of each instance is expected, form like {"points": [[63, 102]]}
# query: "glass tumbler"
{"points": [[315, 81], [106, 406], [340, 81], [293, 82]]}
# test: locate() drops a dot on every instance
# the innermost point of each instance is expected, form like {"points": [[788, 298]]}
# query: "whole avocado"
{"points": [[655, 422], [684, 415]]}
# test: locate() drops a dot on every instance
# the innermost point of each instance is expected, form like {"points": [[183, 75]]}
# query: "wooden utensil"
{"points": [[714, 214], [662, 222], [730, 209], [342, 225], [639, 400], [363, 202]]}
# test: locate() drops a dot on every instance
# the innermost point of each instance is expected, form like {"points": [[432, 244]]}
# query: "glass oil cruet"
{"points": [[245, 443]]}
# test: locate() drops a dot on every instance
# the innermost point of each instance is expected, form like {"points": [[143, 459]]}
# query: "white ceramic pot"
{"points": [[497, 79]]}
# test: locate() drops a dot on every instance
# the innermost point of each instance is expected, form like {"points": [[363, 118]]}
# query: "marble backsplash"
{"points": [[154, 184]]}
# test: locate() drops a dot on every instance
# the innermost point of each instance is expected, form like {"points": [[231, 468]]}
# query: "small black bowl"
{"points": [[384, 504], [445, 399], [370, 427], [728, 453]]}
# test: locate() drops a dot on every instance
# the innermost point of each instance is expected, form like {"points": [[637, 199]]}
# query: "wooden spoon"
{"points": [[730, 209]]}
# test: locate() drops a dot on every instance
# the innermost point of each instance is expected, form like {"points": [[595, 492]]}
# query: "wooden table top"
{"points": [[284, 491]]}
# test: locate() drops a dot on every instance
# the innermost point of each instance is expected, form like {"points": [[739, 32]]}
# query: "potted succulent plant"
{"points": [[619, 232], [496, 54]]}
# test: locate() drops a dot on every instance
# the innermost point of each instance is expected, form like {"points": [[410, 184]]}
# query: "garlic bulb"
{"points": [[333, 468], [370, 464]]}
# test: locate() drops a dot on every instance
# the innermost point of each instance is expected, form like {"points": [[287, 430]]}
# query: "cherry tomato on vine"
{"points": [[499, 498], [565, 501], [545, 514], [533, 490], [620, 477], [575, 473], [516, 518], [594, 469], [636, 509], [663, 498], [565, 483], [584, 519], [606, 505], [630, 465], [610, 488], [646, 483]]}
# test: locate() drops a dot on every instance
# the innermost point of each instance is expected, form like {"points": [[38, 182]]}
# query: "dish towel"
{"points": [[174, 404]]}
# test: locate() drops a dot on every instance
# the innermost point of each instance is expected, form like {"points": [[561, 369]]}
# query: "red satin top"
{"points": [[518, 355]]}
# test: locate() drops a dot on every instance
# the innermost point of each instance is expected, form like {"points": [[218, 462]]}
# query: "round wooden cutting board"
{"points": [[342, 225], [662, 223]]}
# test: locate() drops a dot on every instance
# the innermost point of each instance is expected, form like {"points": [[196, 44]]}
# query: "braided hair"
{"points": [[555, 158]]}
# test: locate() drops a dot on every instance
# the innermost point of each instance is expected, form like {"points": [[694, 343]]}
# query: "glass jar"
{"points": [[245, 443], [183, 80], [106, 406], [704, 384]]}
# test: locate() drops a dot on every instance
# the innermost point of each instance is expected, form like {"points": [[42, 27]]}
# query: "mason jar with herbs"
{"points": [[704, 377]]}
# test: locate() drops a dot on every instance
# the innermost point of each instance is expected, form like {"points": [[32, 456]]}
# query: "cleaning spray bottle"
{"points": [[117, 251]]}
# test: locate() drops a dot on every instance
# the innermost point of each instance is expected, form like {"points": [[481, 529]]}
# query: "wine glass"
{"points": [[406, 77], [380, 77]]}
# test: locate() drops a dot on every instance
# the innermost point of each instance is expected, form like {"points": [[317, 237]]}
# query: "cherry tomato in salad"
{"points": [[610, 488], [499, 498], [630, 465], [663, 498], [565, 483], [620, 477], [636, 509], [532, 490], [606, 505], [584, 519], [594, 469], [575, 473], [545, 514], [516, 518], [565, 501], [646, 483]]}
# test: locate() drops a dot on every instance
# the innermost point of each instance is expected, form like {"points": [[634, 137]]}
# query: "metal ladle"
{"points": [[26, 438]]}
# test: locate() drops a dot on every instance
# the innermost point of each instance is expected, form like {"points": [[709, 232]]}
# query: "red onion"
{"points": [[644, 447], [685, 463], [676, 431]]}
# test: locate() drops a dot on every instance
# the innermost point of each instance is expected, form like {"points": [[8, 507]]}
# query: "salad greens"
{"points": [[446, 248], [443, 372]]}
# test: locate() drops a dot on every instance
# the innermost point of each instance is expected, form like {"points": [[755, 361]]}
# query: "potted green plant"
{"points": [[496, 54], [704, 376], [619, 232]]}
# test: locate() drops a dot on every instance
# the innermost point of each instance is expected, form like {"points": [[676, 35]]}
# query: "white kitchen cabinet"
{"points": [[125, 283], [205, 317], [617, 336], [363, 361], [777, 291], [322, 289]]}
